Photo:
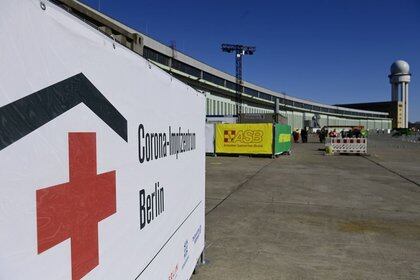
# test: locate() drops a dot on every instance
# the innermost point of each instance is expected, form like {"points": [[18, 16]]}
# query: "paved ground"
{"points": [[310, 216]]}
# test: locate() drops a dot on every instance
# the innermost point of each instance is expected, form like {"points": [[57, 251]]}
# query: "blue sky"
{"points": [[327, 51]]}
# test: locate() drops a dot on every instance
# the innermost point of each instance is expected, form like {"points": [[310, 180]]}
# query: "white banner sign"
{"points": [[101, 155], [210, 138]]}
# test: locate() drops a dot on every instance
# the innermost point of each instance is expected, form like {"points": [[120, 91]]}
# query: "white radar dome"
{"points": [[400, 67]]}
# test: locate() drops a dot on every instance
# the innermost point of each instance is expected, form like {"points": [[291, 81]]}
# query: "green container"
{"points": [[282, 138]]}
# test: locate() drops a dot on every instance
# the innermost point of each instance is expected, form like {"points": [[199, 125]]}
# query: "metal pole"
{"points": [[239, 51], [406, 104], [202, 260], [238, 81]]}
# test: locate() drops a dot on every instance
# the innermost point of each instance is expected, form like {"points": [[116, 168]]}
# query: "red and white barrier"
{"points": [[347, 145]]}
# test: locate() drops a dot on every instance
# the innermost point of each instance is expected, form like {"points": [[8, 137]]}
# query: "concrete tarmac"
{"points": [[311, 216]]}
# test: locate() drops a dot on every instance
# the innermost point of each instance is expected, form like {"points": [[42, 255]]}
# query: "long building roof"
{"points": [[183, 65]]}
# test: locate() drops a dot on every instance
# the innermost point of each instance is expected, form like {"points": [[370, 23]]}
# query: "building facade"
{"points": [[220, 87]]}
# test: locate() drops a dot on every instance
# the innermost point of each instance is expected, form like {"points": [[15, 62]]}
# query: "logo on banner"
{"points": [[174, 273], [229, 135], [186, 254], [74, 209], [243, 136], [27, 114], [284, 138], [71, 210], [196, 235]]}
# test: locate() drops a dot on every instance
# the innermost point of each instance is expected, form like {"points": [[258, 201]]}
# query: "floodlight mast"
{"points": [[239, 51]]}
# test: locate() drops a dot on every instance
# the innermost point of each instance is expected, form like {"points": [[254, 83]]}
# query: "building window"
{"points": [[251, 91], [298, 104], [265, 96], [288, 102], [185, 68], [213, 79], [155, 56], [230, 85], [307, 106]]}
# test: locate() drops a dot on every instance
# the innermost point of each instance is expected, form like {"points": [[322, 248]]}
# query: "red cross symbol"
{"points": [[74, 209]]}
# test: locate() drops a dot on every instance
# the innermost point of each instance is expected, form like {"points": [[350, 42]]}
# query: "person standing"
{"points": [[304, 135], [333, 133], [296, 136], [322, 134]]}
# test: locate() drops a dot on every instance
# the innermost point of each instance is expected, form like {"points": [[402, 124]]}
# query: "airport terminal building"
{"points": [[220, 87]]}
